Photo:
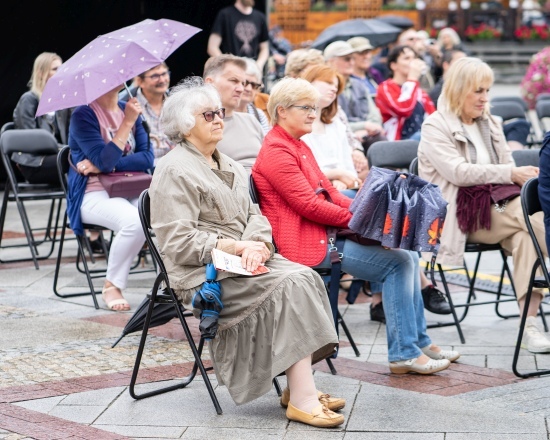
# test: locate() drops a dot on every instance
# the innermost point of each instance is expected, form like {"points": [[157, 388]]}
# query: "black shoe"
{"points": [[435, 301], [377, 313], [96, 247]]}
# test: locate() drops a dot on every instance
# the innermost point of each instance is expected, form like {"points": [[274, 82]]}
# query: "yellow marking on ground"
{"points": [[480, 276]]}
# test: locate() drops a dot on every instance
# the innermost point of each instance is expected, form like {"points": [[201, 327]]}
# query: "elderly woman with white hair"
{"points": [[464, 151], [253, 85], [276, 322], [301, 203]]}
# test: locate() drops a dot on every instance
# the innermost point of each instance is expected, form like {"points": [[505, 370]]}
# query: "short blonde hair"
{"points": [[299, 59], [287, 92], [464, 76], [41, 71]]}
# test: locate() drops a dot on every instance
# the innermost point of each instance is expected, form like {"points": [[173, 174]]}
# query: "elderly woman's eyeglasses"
{"points": [[308, 109], [209, 115], [255, 85]]}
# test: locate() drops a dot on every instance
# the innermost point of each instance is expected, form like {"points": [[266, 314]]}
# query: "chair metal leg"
{"points": [[197, 351], [277, 386], [456, 322], [522, 329], [331, 366], [348, 334]]}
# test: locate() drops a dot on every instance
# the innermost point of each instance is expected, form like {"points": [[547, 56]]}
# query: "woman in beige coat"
{"points": [[277, 322], [462, 145]]}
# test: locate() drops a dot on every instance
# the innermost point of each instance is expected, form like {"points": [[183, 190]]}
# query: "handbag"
{"points": [[126, 184]]}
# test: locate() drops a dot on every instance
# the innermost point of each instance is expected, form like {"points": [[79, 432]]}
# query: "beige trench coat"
{"points": [[269, 322], [444, 159]]}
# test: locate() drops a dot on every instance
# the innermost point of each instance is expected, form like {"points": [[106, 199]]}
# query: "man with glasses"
{"points": [[152, 87], [242, 133], [356, 101]]}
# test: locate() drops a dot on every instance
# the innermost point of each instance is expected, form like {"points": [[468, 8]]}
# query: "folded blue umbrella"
{"points": [[209, 301]]}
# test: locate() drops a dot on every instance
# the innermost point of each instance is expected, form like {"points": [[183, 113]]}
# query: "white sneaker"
{"points": [[533, 339]]}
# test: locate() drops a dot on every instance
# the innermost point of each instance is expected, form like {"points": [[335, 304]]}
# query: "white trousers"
{"points": [[121, 216]]}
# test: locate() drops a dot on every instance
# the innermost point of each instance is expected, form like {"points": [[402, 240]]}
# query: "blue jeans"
{"points": [[399, 272]]}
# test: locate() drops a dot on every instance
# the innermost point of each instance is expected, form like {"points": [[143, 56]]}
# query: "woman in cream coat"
{"points": [[462, 145]]}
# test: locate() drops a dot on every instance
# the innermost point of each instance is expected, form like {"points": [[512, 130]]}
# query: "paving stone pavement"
{"points": [[60, 378]]}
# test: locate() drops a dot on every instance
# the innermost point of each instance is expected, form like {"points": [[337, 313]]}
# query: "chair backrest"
{"points": [[542, 97], [63, 166], [542, 109], [31, 141], [517, 99], [392, 154], [7, 126], [253, 190], [413, 167], [144, 210], [530, 196], [527, 156], [508, 110]]}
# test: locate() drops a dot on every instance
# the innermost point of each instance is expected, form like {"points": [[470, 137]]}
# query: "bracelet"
{"points": [[123, 142]]}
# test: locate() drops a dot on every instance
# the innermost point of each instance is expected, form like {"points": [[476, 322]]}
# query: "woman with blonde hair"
{"points": [[464, 151], [40, 169], [448, 39]]}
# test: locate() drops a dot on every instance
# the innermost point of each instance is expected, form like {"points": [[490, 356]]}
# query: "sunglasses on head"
{"points": [[210, 114], [254, 85]]}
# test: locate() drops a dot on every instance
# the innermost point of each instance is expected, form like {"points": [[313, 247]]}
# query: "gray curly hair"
{"points": [[189, 97]]}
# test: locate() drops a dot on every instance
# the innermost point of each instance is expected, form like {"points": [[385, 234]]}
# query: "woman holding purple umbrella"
{"points": [[106, 136]]}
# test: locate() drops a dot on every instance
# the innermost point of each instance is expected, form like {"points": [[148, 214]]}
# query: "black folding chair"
{"points": [[326, 275], [37, 142], [478, 248], [396, 155], [84, 255], [510, 108], [169, 297], [542, 109], [530, 204]]}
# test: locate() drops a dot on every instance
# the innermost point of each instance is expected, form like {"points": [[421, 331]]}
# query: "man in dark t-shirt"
{"points": [[242, 31]]}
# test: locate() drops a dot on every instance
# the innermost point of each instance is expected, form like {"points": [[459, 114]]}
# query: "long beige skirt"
{"points": [[268, 323]]}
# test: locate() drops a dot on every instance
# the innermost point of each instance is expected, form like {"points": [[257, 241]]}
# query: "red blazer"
{"points": [[286, 176]]}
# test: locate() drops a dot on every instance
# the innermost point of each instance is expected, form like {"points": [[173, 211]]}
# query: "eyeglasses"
{"points": [[158, 76], [308, 109], [209, 115], [254, 85]]}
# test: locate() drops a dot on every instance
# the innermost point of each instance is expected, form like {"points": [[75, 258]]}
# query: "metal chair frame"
{"points": [[38, 142], [530, 204], [84, 251], [479, 248], [169, 298]]}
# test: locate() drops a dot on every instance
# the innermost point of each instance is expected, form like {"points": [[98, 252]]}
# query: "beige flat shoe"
{"points": [[410, 366], [320, 416], [332, 403], [451, 355]]}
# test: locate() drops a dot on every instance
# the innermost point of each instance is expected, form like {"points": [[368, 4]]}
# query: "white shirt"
{"points": [[474, 134], [331, 149]]}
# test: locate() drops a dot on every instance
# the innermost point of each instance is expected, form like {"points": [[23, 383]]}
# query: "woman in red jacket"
{"points": [[287, 176], [402, 103]]}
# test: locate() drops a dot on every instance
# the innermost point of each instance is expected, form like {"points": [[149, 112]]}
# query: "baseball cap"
{"points": [[338, 49], [360, 44]]}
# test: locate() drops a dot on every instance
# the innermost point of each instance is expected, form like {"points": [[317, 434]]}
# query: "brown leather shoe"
{"points": [[332, 403], [320, 416]]}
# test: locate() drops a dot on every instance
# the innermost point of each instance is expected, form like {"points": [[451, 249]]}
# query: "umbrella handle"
{"points": [[143, 121]]}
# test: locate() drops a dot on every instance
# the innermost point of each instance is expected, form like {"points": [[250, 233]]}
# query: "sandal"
{"points": [[115, 302]]}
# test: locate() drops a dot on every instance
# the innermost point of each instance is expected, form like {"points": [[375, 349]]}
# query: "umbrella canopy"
{"points": [[397, 20], [110, 60], [162, 313], [378, 32], [208, 301]]}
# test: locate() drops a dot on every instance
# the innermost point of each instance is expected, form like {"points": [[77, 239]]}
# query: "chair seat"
{"points": [[482, 247], [540, 283]]}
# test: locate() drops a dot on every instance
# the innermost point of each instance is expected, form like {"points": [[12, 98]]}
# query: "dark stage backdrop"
{"points": [[28, 28]]}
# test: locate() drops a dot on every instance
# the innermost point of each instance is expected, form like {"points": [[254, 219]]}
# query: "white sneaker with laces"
{"points": [[533, 339]]}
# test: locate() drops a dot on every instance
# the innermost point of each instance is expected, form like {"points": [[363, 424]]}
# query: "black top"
{"points": [[241, 34]]}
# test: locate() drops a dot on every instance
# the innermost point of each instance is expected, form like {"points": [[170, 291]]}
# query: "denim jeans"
{"points": [[399, 272]]}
